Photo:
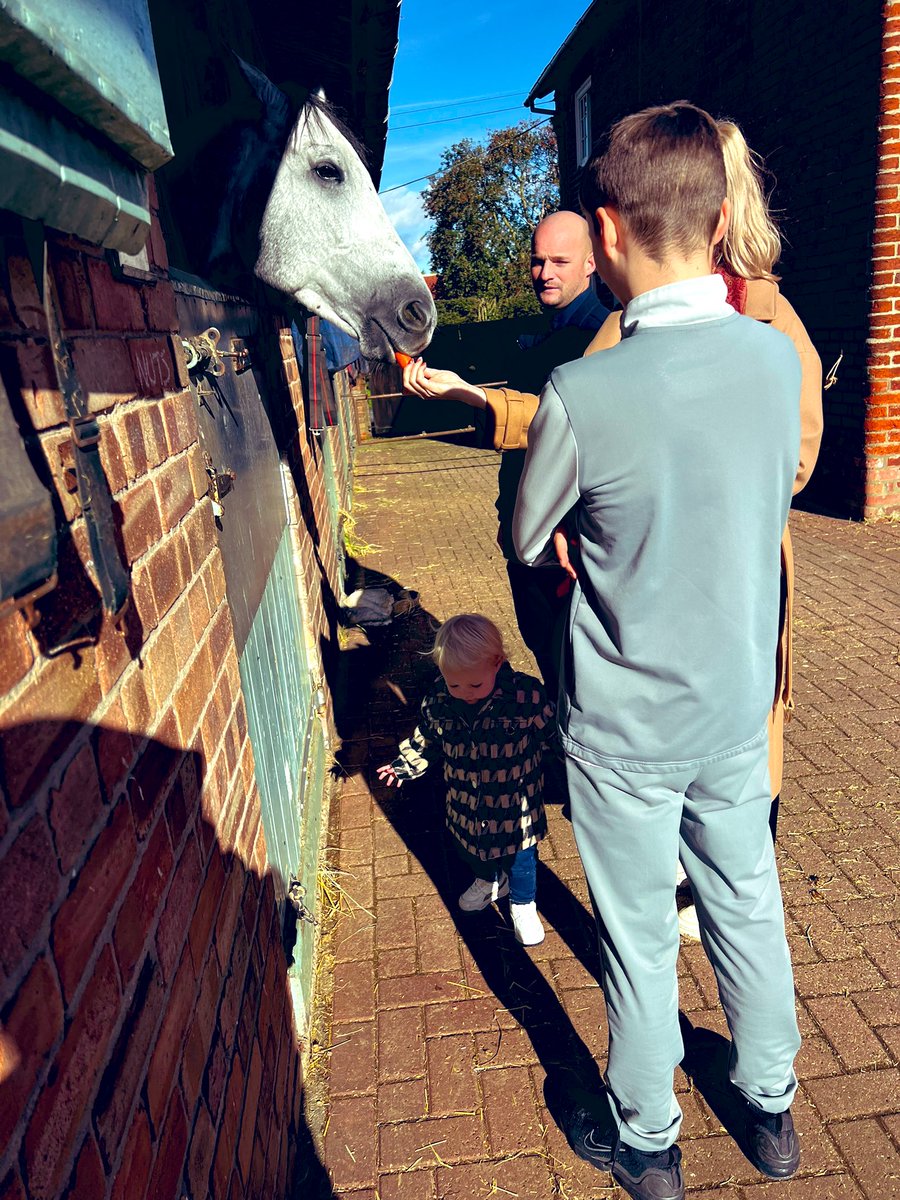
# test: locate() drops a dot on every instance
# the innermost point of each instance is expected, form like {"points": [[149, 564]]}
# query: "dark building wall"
{"points": [[803, 81], [151, 1019]]}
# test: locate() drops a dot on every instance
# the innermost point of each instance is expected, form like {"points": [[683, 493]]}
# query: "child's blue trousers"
{"points": [[631, 827], [521, 873], [523, 876]]}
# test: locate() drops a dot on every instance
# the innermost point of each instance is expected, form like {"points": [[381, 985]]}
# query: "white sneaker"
{"points": [[527, 924], [688, 924], [483, 892]]}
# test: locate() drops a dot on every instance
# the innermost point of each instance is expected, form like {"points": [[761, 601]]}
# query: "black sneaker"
{"points": [[649, 1175], [772, 1143], [579, 1116]]}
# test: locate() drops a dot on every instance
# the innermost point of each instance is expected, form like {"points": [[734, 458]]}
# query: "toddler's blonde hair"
{"points": [[467, 640], [752, 244]]}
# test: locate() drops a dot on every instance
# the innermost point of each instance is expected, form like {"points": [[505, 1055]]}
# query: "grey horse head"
{"points": [[324, 239]]}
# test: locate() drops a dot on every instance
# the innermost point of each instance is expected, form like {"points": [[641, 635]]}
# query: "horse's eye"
{"points": [[328, 172]]}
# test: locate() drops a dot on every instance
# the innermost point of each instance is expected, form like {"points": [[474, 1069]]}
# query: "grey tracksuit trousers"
{"points": [[631, 827]]}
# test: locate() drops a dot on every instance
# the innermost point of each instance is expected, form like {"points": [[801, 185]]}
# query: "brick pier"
{"points": [[436, 1030]]}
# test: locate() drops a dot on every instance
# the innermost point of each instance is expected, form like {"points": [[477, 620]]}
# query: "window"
{"points": [[583, 123]]}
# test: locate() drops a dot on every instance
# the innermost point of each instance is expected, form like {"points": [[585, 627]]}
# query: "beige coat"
{"points": [[510, 413]]}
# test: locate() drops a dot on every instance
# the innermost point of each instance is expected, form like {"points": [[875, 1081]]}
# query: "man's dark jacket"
{"points": [[567, 338]]}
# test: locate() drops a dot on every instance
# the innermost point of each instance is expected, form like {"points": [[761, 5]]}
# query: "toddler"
{"points": [[489, 724]]}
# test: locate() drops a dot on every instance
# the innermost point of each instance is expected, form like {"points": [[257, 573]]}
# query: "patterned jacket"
{"points": [[492, 763]]}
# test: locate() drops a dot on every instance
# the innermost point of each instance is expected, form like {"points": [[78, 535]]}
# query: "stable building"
{"points": [[177, 469]]}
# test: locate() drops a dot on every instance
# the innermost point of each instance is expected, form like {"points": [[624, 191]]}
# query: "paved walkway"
{"points": [[440, 1029]]}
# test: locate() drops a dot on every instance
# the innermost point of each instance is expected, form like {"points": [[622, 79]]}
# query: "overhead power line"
{"points": [[407, 109], [463, 117], [397, 186]]}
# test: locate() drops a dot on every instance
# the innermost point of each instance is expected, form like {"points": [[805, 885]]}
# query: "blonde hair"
{"points": [[467, 641], [752, 244]]}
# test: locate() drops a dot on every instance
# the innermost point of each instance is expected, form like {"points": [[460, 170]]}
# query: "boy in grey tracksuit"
{"points": [[675, 453]]}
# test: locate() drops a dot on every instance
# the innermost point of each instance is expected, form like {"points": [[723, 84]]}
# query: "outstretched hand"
{"points": [[431, 384], [388, 775]]}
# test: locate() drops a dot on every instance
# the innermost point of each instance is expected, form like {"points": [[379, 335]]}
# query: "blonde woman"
{"points": [[746, 258]]}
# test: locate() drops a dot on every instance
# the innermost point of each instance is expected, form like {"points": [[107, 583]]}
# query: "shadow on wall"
{"points": [[147, 1045]]}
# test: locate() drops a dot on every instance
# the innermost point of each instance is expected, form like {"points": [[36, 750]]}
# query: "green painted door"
{"points": [[263, 593]]}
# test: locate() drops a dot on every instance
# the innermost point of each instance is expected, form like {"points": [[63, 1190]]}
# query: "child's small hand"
{"points": [[388, 775], [562, 545]]}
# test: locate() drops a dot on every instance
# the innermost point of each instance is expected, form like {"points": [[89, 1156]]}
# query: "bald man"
{"points": [[562, 266], [562, 261]]}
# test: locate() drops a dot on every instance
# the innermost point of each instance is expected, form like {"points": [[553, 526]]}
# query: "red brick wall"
{"points": [[804, 82], [147, 1045], [882, 425]]}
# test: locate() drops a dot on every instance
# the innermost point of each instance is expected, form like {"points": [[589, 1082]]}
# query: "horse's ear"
{"points": [[275, 103]]}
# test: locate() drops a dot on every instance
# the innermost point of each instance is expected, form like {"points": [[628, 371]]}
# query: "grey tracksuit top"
{"points": [[677, 450]]}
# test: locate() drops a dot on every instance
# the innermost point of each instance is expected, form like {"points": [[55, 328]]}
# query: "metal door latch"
{"points": [[295, 894], [203, 356], [239, 354], [221, 482]]}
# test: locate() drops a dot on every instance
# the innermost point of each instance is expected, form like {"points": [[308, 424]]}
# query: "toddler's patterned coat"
{"points": [[492, 763]]}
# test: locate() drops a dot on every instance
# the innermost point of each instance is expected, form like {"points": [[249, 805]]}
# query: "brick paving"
{"points": [[437, 1030]]}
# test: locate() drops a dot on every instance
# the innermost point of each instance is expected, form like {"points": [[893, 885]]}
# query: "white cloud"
{"points": [[404, 208]]}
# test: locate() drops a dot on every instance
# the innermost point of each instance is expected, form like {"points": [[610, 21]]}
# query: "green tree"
{"points": [[484, 202]]}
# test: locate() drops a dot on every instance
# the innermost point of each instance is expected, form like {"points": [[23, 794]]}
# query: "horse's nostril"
{"points": [[413, 316]]}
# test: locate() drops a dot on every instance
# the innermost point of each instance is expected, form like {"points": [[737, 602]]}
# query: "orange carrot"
{"points": [[403, 360]]}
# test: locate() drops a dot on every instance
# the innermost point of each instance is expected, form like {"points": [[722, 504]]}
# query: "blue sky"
{"points": [[457, 63]]}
